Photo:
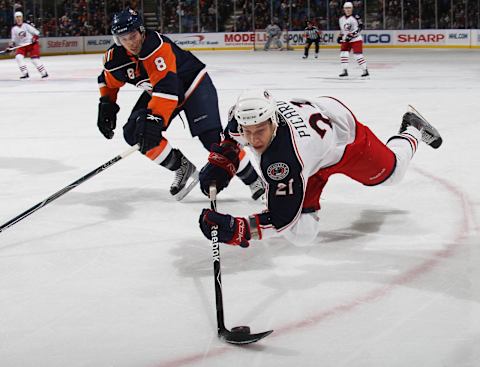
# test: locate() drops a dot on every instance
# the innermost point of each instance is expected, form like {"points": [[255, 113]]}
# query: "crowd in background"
{"points": [[93, 17]]}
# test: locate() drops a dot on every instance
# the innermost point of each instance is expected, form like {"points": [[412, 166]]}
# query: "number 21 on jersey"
{"points": [[315, 119], [284, 189]]}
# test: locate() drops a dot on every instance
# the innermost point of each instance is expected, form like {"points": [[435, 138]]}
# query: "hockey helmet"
{"points": [[125, 22], [18, 14], [348, 5], [254, 107]]}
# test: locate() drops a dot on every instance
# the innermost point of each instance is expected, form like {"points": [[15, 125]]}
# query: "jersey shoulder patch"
{"points": [[115, 57], [153, 41]]}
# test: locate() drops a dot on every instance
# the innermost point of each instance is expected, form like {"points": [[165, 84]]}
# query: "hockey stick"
{"points": [[66, 189], [238, 334], [10, 49]]}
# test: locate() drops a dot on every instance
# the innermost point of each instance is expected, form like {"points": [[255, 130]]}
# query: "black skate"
{"points": [[316, 56], [25, 76], [187, 172], [430, 135], [365, 73], [257, 188], [45, 76], [344, 73], [304, 56]]}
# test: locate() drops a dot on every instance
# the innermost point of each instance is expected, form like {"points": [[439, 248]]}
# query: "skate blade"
{"points": [[414, 110], [186, 190]]}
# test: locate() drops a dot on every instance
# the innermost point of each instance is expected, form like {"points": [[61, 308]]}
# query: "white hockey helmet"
{"points": [[347, 5], [255, 106], [18, 14]]}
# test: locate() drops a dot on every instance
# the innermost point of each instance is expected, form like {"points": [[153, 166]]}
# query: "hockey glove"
{"points": [[339, 39], [231, 230], [222, 165], [107, 117], [144, 128], [35, 39]]}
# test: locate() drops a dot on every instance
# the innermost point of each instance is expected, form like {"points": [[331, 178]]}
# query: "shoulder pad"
{"points": [[153, 41], [115, 57]]}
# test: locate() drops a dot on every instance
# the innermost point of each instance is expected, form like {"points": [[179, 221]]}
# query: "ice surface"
{"points": [[117, 273]]}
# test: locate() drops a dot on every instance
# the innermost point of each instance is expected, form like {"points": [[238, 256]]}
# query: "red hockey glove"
{"points": [[222, 165], [35, 39], [231, 230]]}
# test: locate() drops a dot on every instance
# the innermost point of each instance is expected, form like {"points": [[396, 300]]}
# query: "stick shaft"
{"points": [[217, 271]]}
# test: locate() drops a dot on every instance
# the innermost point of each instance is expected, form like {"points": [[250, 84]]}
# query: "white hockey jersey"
{"points": [[22, 35], [351, 25], [312, 134]]}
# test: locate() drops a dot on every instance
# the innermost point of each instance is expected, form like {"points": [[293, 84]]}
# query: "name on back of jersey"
{"points": [[293, 118]]}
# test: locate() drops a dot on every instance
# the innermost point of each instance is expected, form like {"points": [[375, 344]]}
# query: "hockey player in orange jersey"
{"points": [[173, 80]]}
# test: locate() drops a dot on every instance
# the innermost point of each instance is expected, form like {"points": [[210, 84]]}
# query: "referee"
{"points": [[312, 35]]}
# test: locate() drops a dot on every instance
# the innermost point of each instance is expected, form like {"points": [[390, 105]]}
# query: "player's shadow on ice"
{"points": [[119, 204], [194, 257], [116, 205], [33, 166]]}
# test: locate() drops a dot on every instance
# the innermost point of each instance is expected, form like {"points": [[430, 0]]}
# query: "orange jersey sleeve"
{"points": [[110, 87], [107, 83]]}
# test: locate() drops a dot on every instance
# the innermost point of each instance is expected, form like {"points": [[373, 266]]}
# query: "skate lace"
{"points": [[180, 174], [427, 137]]}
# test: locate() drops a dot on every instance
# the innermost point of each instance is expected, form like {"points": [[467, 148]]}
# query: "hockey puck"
{"points": [[241, 329]]}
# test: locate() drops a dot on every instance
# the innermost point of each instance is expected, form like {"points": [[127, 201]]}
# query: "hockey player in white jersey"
{"points": [[23, 34], [299, 144], [274, 34], [350, 39]]}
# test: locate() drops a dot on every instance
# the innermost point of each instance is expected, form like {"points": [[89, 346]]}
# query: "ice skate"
{"points": [[343, 74], [187, 173], [25, 76], [257, 188], [316, 56], [430, 135], [45, 76], [365, 73], [304, 56]]}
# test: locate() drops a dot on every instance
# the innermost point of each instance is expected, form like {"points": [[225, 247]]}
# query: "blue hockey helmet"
{"points": [[126, 21]]}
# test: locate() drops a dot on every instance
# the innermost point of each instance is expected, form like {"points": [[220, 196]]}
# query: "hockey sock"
{"points": [[173, 160], [21, 64], [160, 153], [344, 59], [406, 141], [38, 64], [404, 146], [361, 61]]}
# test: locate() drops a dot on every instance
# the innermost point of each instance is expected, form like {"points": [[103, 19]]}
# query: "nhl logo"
{"points": [[278, 171]]}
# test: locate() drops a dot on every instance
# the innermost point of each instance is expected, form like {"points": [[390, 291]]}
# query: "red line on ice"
{"points": [[372, 296]]}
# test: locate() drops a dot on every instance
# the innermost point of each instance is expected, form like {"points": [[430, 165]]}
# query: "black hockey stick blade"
{"points": [[242, 337]]}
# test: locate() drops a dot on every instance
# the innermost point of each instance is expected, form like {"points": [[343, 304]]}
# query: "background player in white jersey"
{"points": [[349, 39], [27, 35], [274, 34], [299, 144]]}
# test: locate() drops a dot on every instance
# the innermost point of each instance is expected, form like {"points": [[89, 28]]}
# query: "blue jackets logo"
{"points": [[278, 171]]}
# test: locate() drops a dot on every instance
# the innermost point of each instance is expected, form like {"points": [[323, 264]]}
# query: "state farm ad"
{"points": [[61, 45]]}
